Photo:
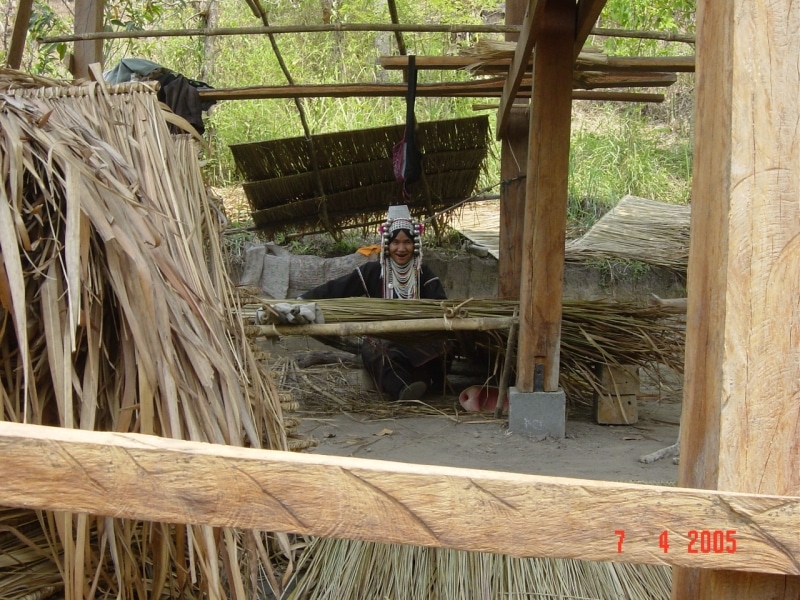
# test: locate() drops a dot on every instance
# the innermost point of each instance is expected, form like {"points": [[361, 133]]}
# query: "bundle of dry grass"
{"points": [[334, 569], [639, 229], [592, 332], [116, 307]]}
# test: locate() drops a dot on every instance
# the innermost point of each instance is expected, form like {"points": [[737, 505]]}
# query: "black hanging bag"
{"points": [[406, 157]]}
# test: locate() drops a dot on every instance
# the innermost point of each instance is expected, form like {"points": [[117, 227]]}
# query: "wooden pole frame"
{"points": [[134, 476]]}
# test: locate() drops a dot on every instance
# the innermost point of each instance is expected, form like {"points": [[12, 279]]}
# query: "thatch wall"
{"points": [[117, 315], [354, 168]]}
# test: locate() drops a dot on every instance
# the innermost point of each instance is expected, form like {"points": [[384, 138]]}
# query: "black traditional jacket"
{"points": [[366, 281]]}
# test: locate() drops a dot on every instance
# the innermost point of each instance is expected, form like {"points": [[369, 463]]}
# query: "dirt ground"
{"points": [[346, 419]]}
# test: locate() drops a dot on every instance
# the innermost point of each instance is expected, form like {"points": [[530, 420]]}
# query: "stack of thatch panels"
{"points": [[116, 315], [355, 171]]}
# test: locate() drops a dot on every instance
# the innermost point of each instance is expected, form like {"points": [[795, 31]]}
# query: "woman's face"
{"points": [[401, 248]]}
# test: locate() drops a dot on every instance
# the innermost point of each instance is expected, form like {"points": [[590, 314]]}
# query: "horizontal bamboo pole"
{"points": [[150, 478], [342, 27], [378, 327], [478, 89], [597, 97], [585, 62]]}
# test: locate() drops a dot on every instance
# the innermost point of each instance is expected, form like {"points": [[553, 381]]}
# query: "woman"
{"points": [[403, 372]]}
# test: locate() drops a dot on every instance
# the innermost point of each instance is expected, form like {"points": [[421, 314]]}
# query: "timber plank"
{"points": [[161, 479], [741, 414], [531, 27], [541, 287]]}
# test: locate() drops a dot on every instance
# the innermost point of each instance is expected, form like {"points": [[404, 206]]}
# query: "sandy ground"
{"points": [[436, 432], [589, 451]]}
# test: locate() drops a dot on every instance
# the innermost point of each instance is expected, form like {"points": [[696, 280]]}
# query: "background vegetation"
{"points": [[616, 148]]}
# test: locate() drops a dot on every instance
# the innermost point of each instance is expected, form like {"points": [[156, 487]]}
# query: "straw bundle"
{"points": [[116, 310], [648, 231], [592, 332], [334, 569]]}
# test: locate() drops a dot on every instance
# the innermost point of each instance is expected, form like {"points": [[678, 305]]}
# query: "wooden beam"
{"points": [[470, 89], [585, 62], [531, 26], [541, 289], [741, 415], [513, 162], [19, 34], [88, 19], [133, 476], [595, 97], [590, 80], [588, 13]]}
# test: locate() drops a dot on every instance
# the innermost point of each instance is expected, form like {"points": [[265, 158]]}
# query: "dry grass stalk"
{"points": [[116, 311], [333, 569]]}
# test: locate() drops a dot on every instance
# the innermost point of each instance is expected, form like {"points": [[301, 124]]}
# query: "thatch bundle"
{"points": [[334, 569], [354, 170], [639, 229], [116, 310], [597, 332]]}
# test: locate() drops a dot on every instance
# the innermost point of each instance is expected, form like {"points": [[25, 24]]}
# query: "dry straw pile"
{"points": [[117, 316]]}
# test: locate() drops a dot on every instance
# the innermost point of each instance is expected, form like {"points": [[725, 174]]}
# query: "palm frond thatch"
{"points": [[355, 171], [116, 307]]}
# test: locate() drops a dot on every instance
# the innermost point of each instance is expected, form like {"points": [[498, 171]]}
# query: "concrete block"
{"points": [[537, 413]]}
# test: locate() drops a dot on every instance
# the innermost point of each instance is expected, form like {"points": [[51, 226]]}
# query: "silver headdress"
{"points": [[401, 281]]}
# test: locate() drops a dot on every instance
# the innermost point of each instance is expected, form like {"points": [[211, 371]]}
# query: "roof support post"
{"points": [[88, 19], [541, 287], [513, 162], [741, 416]]}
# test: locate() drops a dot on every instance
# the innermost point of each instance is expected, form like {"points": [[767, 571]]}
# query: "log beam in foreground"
{"points": [[160, 479]]}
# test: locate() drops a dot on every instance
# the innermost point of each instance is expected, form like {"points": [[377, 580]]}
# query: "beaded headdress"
{"points": [[400, 281]]}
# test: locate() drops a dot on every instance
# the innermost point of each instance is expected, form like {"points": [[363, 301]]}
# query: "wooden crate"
{"points": [[617, 404]]}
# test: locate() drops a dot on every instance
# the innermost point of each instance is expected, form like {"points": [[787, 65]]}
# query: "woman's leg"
{"points": [[390, 368]]}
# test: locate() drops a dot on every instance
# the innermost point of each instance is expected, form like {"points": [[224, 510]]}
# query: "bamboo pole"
{"points": [[379, 327], [470, 89], [341, 27], [585, 62]]}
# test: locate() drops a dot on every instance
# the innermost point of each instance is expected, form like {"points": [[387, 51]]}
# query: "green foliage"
{"points": [[616, 149], [614, 153], [675, 16], [46, 59]]}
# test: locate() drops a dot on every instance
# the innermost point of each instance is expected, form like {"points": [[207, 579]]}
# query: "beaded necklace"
{"points": [[401, 281]]}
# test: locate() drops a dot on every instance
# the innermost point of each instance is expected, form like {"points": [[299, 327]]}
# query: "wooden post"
{"points": [[513, 162], [741, 415], [88, 19], [19, 34], [542, 281]]}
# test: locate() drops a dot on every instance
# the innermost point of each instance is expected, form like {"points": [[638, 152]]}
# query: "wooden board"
{"points": [[167, 480], [741, 414]]}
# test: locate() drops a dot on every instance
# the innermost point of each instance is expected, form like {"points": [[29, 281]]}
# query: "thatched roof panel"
{"points": [[356, 174], [349, 209]]}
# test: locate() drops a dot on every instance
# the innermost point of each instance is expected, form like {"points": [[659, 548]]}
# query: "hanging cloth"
{"points": [[406, 157]]}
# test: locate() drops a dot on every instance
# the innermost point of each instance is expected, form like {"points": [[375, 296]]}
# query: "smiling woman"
{"points": [[404, 372]]}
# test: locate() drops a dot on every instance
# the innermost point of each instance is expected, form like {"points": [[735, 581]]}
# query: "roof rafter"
{"points": [[531, 27]]}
